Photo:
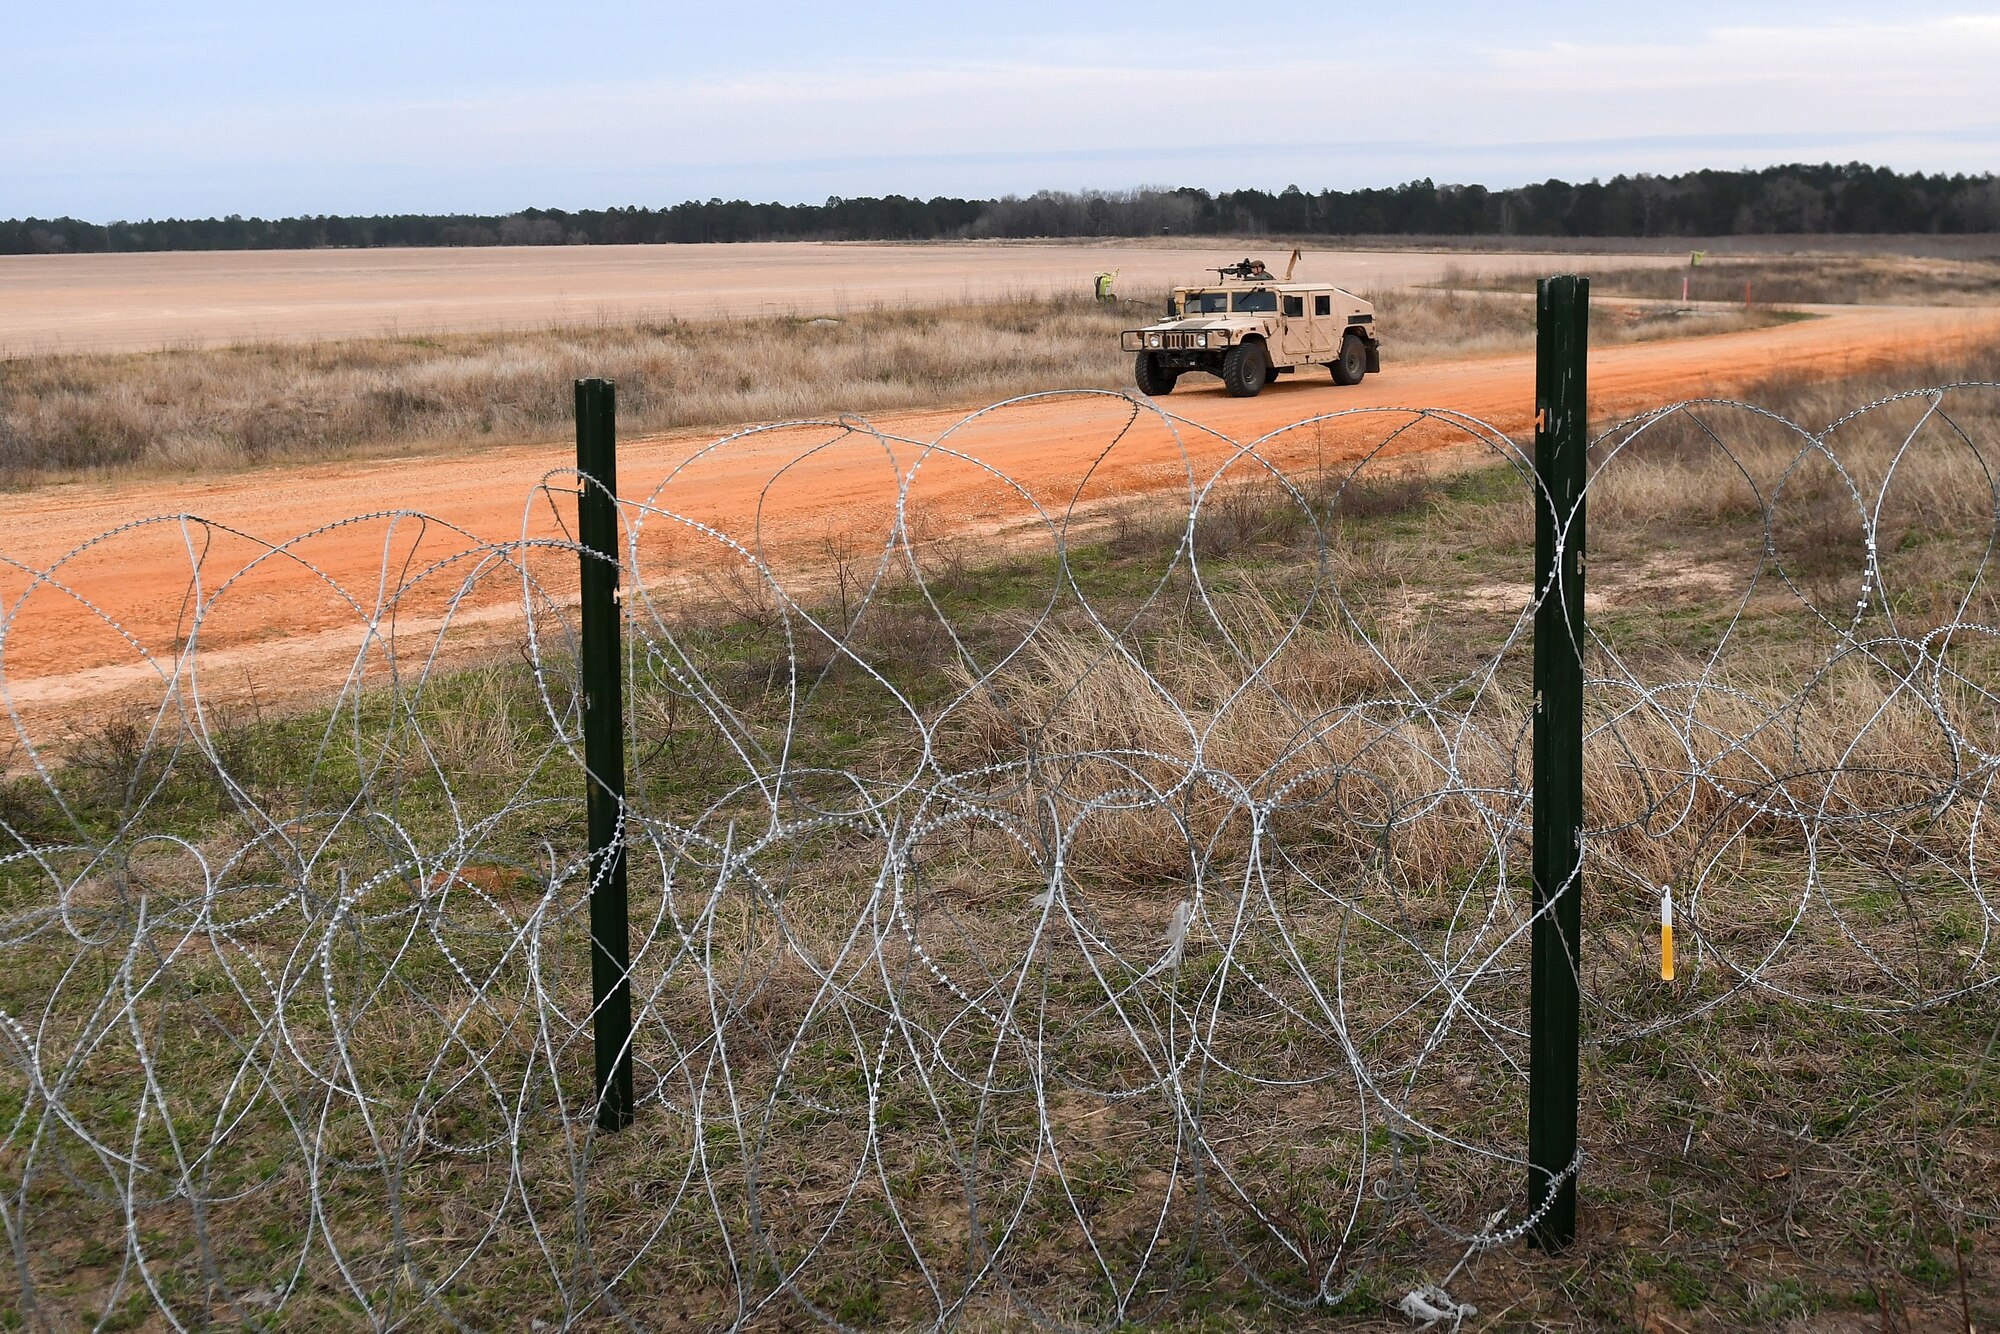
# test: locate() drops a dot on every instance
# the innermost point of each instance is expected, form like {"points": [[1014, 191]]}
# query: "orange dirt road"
{"points": [[111, 631]]}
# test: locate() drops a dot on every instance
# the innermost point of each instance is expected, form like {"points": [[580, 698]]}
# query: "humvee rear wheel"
{"points": [[1353, 363], [1153, 379], [1244, 370]]}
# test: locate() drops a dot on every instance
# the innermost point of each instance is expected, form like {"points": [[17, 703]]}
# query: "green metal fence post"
{"points": [[604, 748], [1561, 439]]}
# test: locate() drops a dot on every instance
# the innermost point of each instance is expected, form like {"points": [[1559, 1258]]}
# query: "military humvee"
{"points": [[1248, 326]]}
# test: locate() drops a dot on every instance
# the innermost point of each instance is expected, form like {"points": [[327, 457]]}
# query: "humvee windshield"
{"points": [[1205, 303], [1256, 303]]}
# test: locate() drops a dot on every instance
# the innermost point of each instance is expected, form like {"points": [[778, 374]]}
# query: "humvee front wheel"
{"points": [[1153, 379], [1245, 370], [1353, 363]]}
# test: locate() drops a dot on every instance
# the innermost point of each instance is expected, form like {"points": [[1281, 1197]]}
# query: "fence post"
{"points": [[1562, 324], [604, 748]]}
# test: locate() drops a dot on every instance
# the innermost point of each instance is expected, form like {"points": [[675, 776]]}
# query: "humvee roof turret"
{"points": [[1248, 326]]}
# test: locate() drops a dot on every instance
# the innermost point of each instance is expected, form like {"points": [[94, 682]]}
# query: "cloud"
{"points": [[1911, 93], [1912, 55], [1837, 82]]}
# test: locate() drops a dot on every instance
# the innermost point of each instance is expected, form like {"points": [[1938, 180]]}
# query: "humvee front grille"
{"points": [[1182, 341]]}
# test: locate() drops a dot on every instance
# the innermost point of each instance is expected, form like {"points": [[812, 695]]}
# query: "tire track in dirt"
{"points": [[292, 624]]}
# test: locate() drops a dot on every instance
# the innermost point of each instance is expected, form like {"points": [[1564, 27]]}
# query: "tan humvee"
{"points": [[1248, 326]]}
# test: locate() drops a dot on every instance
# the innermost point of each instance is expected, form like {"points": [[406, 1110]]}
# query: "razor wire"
{"points": [[1018, 934]]}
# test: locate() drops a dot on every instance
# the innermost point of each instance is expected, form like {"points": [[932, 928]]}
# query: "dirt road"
{"points": [[293, 622], [123, 303]]}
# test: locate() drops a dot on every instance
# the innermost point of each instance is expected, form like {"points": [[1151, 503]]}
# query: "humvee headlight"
{"points": [[1152, 340], [1201, 340]]}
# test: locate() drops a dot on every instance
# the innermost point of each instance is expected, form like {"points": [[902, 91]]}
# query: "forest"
{"points": [[1794, 199]]}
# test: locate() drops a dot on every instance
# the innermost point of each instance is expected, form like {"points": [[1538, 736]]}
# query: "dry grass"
{"points": [[1837, 245], [224, 408], [1972, 280], [1778, 1164], [1676, 467], [1456, 322], [1744, 1162]]}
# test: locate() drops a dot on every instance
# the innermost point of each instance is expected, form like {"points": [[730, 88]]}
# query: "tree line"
{"points": [[1799, 198]]}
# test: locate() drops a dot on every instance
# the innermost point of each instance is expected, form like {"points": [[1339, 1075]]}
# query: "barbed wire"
{"points": [[1050, 928]]}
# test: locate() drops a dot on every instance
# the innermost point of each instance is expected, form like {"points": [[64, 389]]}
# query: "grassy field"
{"points": [[224, 408], [1818, 1152], [1833, 245], [1791, 280]]}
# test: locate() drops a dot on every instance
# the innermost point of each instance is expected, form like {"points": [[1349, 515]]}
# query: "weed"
{"points": [[223, 408], [367, 1017]]}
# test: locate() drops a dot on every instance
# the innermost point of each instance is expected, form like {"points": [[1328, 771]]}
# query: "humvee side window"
{"points": [[1256, 303], [1295, 305], [1322, 305], [1206, 303]]}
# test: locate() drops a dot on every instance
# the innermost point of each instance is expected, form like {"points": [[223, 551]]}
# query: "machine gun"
{"points": [[1241, 270]]}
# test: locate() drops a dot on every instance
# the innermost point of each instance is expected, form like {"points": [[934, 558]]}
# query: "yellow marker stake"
{"points": [[1666, 933]]}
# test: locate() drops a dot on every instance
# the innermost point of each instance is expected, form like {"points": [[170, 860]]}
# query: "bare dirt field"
{"points": [[292, 624], [103, 303]]}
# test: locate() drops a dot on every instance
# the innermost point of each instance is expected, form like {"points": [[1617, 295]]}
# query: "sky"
{"points": [[127, 110]]}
